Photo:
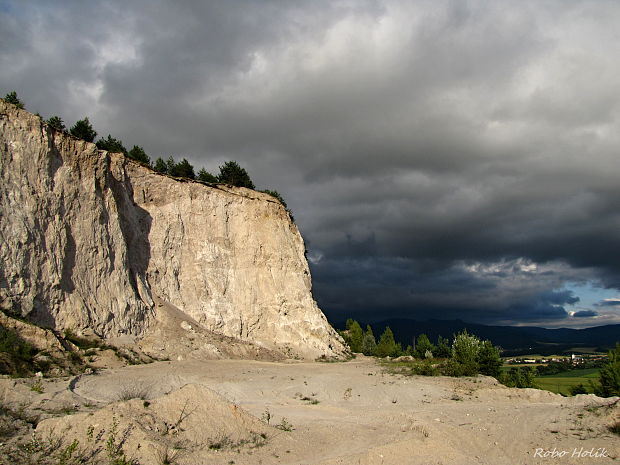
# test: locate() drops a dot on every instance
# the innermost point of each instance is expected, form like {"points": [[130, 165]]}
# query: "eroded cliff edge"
{"points": [[94, 241]]}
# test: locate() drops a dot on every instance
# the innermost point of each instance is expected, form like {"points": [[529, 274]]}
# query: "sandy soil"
{"points": [[216, 412]]}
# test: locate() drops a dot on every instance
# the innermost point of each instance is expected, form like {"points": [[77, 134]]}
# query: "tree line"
{"points": [[364, 342], [467, 355], [231, 173]]}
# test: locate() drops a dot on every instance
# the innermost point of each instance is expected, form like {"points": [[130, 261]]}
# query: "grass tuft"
{"points": [[133, 391]]}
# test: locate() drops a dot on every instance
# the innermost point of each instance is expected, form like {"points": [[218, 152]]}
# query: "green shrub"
{"points": [[578, 389], [276, 195], [387, 347], [37, 386], [12, 344], [369, 343], [284, 425], [111, 145], [114, 447], [160, 165], [489, 360], [426, 368], [422, 346], [205, 176], [11, 97], [353, 335], [57, 123], [137, 153], [519, 377], [465, 349], [183, 169], [83, 130], [609, 375], [231, 173], [18, 353], [443, 349]]}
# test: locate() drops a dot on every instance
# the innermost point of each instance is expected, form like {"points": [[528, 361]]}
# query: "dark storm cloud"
{"points": [[609, 303], [504, 292], [585, 314], [442, 158]]}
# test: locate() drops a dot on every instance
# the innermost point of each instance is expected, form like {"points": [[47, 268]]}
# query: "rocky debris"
{"points": [[175, 332]]}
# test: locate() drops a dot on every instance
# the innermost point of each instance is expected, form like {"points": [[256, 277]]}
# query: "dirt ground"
{"points": [[253, 412]]}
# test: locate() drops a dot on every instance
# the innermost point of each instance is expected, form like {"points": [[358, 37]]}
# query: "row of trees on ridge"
{"points": [[231, 172]]}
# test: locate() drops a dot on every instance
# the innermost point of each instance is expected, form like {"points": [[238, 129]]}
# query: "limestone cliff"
{"points": [[91, 239]]}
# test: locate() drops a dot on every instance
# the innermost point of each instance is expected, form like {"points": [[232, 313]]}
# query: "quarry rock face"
{"points": [[91, 239]]}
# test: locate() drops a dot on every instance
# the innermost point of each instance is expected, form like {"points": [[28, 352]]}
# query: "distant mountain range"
{"points": [[514, 340]]}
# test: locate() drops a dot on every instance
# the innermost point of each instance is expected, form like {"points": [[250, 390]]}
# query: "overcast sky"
{"points": [[443, 159]]}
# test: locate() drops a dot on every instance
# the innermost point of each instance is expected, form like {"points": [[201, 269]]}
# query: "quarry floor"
{"points": [[337, 413]]}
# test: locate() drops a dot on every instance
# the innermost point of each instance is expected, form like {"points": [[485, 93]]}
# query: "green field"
{"points": [[560, 383], [583, 373]]}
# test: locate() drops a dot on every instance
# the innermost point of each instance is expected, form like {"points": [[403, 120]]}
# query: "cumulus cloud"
{"points": [[442, 158]]}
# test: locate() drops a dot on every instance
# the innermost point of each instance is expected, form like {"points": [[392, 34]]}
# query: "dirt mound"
{"points": [[185, 422]]}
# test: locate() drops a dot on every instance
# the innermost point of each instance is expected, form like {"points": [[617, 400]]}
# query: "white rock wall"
{"points": [[65, 258], [88, 238]]}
